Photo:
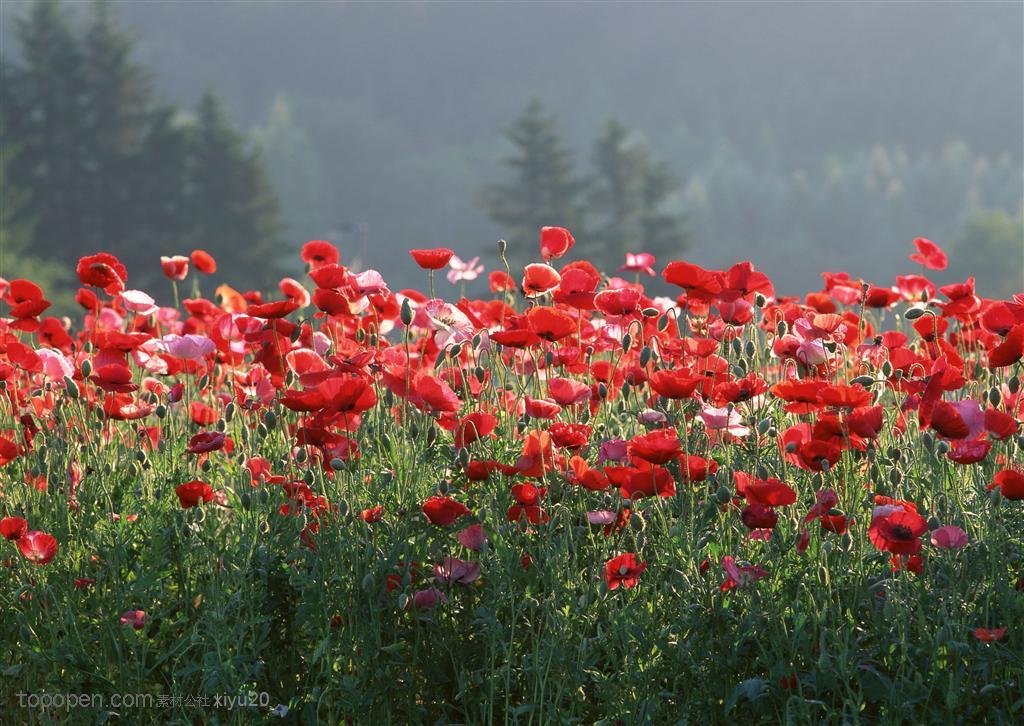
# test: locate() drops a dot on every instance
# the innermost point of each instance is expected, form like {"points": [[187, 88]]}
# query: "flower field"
{"points": [[656, 494]]}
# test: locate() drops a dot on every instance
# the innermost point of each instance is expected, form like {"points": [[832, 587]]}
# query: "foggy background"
{"points": [[802, 136]]}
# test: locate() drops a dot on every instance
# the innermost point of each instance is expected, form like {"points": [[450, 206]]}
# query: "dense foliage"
{"points": [[567, 500]]}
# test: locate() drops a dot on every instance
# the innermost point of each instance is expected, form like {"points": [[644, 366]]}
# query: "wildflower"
{"points": [[444, 511], [623, 571], [37, 547]]}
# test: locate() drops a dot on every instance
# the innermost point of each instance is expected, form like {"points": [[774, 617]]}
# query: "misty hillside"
{"points": [[805, 136]]}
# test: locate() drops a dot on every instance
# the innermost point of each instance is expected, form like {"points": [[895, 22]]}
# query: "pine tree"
{"points": [[43, 110], [543, 190], [231, 205], [628, 200]]}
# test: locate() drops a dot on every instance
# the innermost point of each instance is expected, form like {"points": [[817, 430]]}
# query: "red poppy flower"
{"points": [[37, 547], [26, 299], [373, 514], [699, 284], [473, 427], [204, 262], [103, 270], [555, 242], [539, 279], [273, 310], [769, 492], [543, 408], [569, 436], [623, 571], [1009, 351], [1010, 483], [174, 268], [675, 384], [500, 281], [318, 253], [986, 635], [621, 301], [206, 441], [549, 323], [898, 532], [432, 259], [13, 527], [657, 447], [443, 511], [929, 254], [758, 516], [567, 392], [194, 493]]}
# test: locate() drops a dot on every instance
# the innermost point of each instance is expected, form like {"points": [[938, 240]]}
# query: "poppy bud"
{"points": [[928, 440], [650, 312], [140, 456], [480, 374], [406, 314], [431, 436], [627, 341], [865, 381], [337, 464], [762, 472], [750, 348], [462, 456], [737, 347], [70, 387], [308, 477], [941, 448], [887, 369], [206, 465], [760, 300], [895, 476], [663, 324], [995, 396], [270, 419], [762, 427], [1014, 384], [934, 523], [229, 412], [627, 503], [781, 328], [86, 369], [723, 495], [914, 313], [549, 359], [455, 352], [645, 356]]}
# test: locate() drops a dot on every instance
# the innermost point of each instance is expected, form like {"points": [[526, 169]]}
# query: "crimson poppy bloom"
{"points": [[37, 547], [898, 532], [657, 447], [623, 571], [549, 323], [986, 635], [318, 252], [555, 242], [444, 511], [174, 268], [929, 254], [204, 262], [193, 493], [539, 279], [12, 528], [1010, 484], [432, 259], [206, 442], [102, 270]]}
